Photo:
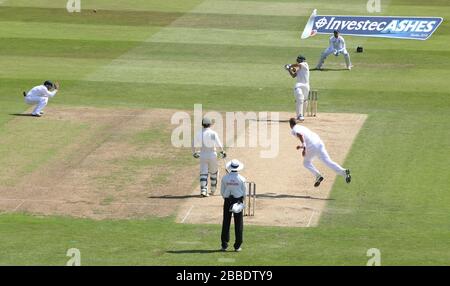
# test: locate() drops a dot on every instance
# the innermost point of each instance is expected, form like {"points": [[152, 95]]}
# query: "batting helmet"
{"points": [[48, 84], [301, 59]]}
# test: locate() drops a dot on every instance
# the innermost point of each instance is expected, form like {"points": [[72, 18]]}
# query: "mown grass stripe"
{"points": [[63, 48], [39, 30], [134, 5]]}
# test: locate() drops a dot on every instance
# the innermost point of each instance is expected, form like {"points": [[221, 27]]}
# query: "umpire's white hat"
{"points": [[234, 166]]}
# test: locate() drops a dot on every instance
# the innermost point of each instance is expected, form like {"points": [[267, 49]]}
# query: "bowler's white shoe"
{"points": [[300, 118]]}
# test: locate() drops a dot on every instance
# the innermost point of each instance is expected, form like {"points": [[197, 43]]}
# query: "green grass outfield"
{"points": [[228, 55]]}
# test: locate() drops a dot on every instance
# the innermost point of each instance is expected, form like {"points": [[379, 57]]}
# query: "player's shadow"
{"points": [[21, 114], [270, 120], [191, 251], [328, 70], [284, 196], [170, 197]]}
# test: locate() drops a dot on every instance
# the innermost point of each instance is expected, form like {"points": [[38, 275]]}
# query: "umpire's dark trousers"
{"points": [[238, 222]]}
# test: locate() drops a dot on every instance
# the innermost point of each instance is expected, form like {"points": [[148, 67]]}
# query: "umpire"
{"points": [[233, 190]]}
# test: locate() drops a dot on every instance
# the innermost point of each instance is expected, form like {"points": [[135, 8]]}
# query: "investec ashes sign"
{"points": [[417, 28]]}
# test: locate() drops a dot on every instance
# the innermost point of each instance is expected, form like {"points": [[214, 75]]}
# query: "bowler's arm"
{"points": [[300, 137]]}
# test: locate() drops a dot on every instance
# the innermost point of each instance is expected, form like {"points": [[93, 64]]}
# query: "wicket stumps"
{"points": [[310, 106], [250, 199]]}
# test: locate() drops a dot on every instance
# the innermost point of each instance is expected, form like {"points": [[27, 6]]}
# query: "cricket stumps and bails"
{"points": [[310, 105], [249, 209]]}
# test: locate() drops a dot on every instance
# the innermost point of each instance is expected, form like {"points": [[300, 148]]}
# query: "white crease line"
{"points": [[310, 218], [31, 200], [138, 204], [226, 260], [187, 214], [18, 206]]}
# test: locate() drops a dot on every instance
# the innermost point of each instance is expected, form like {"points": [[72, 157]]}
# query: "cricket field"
{"points": [[98, 173]]}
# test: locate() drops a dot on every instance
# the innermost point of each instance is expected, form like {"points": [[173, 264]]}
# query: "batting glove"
{"points": [[196, 155], [223, 154], [287, 67]]}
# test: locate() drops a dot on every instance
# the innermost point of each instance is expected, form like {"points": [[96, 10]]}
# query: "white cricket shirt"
{"points": [[337, 43], [207, 140], [310, 138], [303, 74], [41, 91]]}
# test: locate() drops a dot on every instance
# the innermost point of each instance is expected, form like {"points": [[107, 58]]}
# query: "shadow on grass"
{"points": [[283, 196], [22, 114], [169, 197], [270, 120], [194, 251], [326, 70]]}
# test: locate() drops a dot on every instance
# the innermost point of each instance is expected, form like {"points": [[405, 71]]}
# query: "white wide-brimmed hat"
{"points": [[234, 166]]}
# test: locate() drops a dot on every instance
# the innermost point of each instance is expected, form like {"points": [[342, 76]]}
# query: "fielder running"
{"points": [[207, 141], [313, 147], [337, 46], [39, 96], [300, 71]]}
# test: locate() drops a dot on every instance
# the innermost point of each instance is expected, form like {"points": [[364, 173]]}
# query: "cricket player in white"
{"points": [[300, 71], [207, 140], [337, 46], [313, 147], [39, 96]]}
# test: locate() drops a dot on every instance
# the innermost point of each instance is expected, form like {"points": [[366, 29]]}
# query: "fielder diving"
{"points": [[39, 96], [207, 140], [300, 71], [336, 47], [312, 146]]}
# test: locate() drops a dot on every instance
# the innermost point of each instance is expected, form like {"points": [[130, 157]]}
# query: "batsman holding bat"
{"points": [[39, 96], [207, 140], [300, 71]]}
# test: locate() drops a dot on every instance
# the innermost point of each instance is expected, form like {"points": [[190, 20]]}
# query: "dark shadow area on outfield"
{"points": [[271, 120], [282, 196], [169, 197], [327, 70], [194, 251], [21, 114]]}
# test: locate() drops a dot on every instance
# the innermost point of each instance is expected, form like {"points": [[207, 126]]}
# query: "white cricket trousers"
{"points": [[301, 92], [328, 52], [320, 151], [39, 101], [208, 165]]}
